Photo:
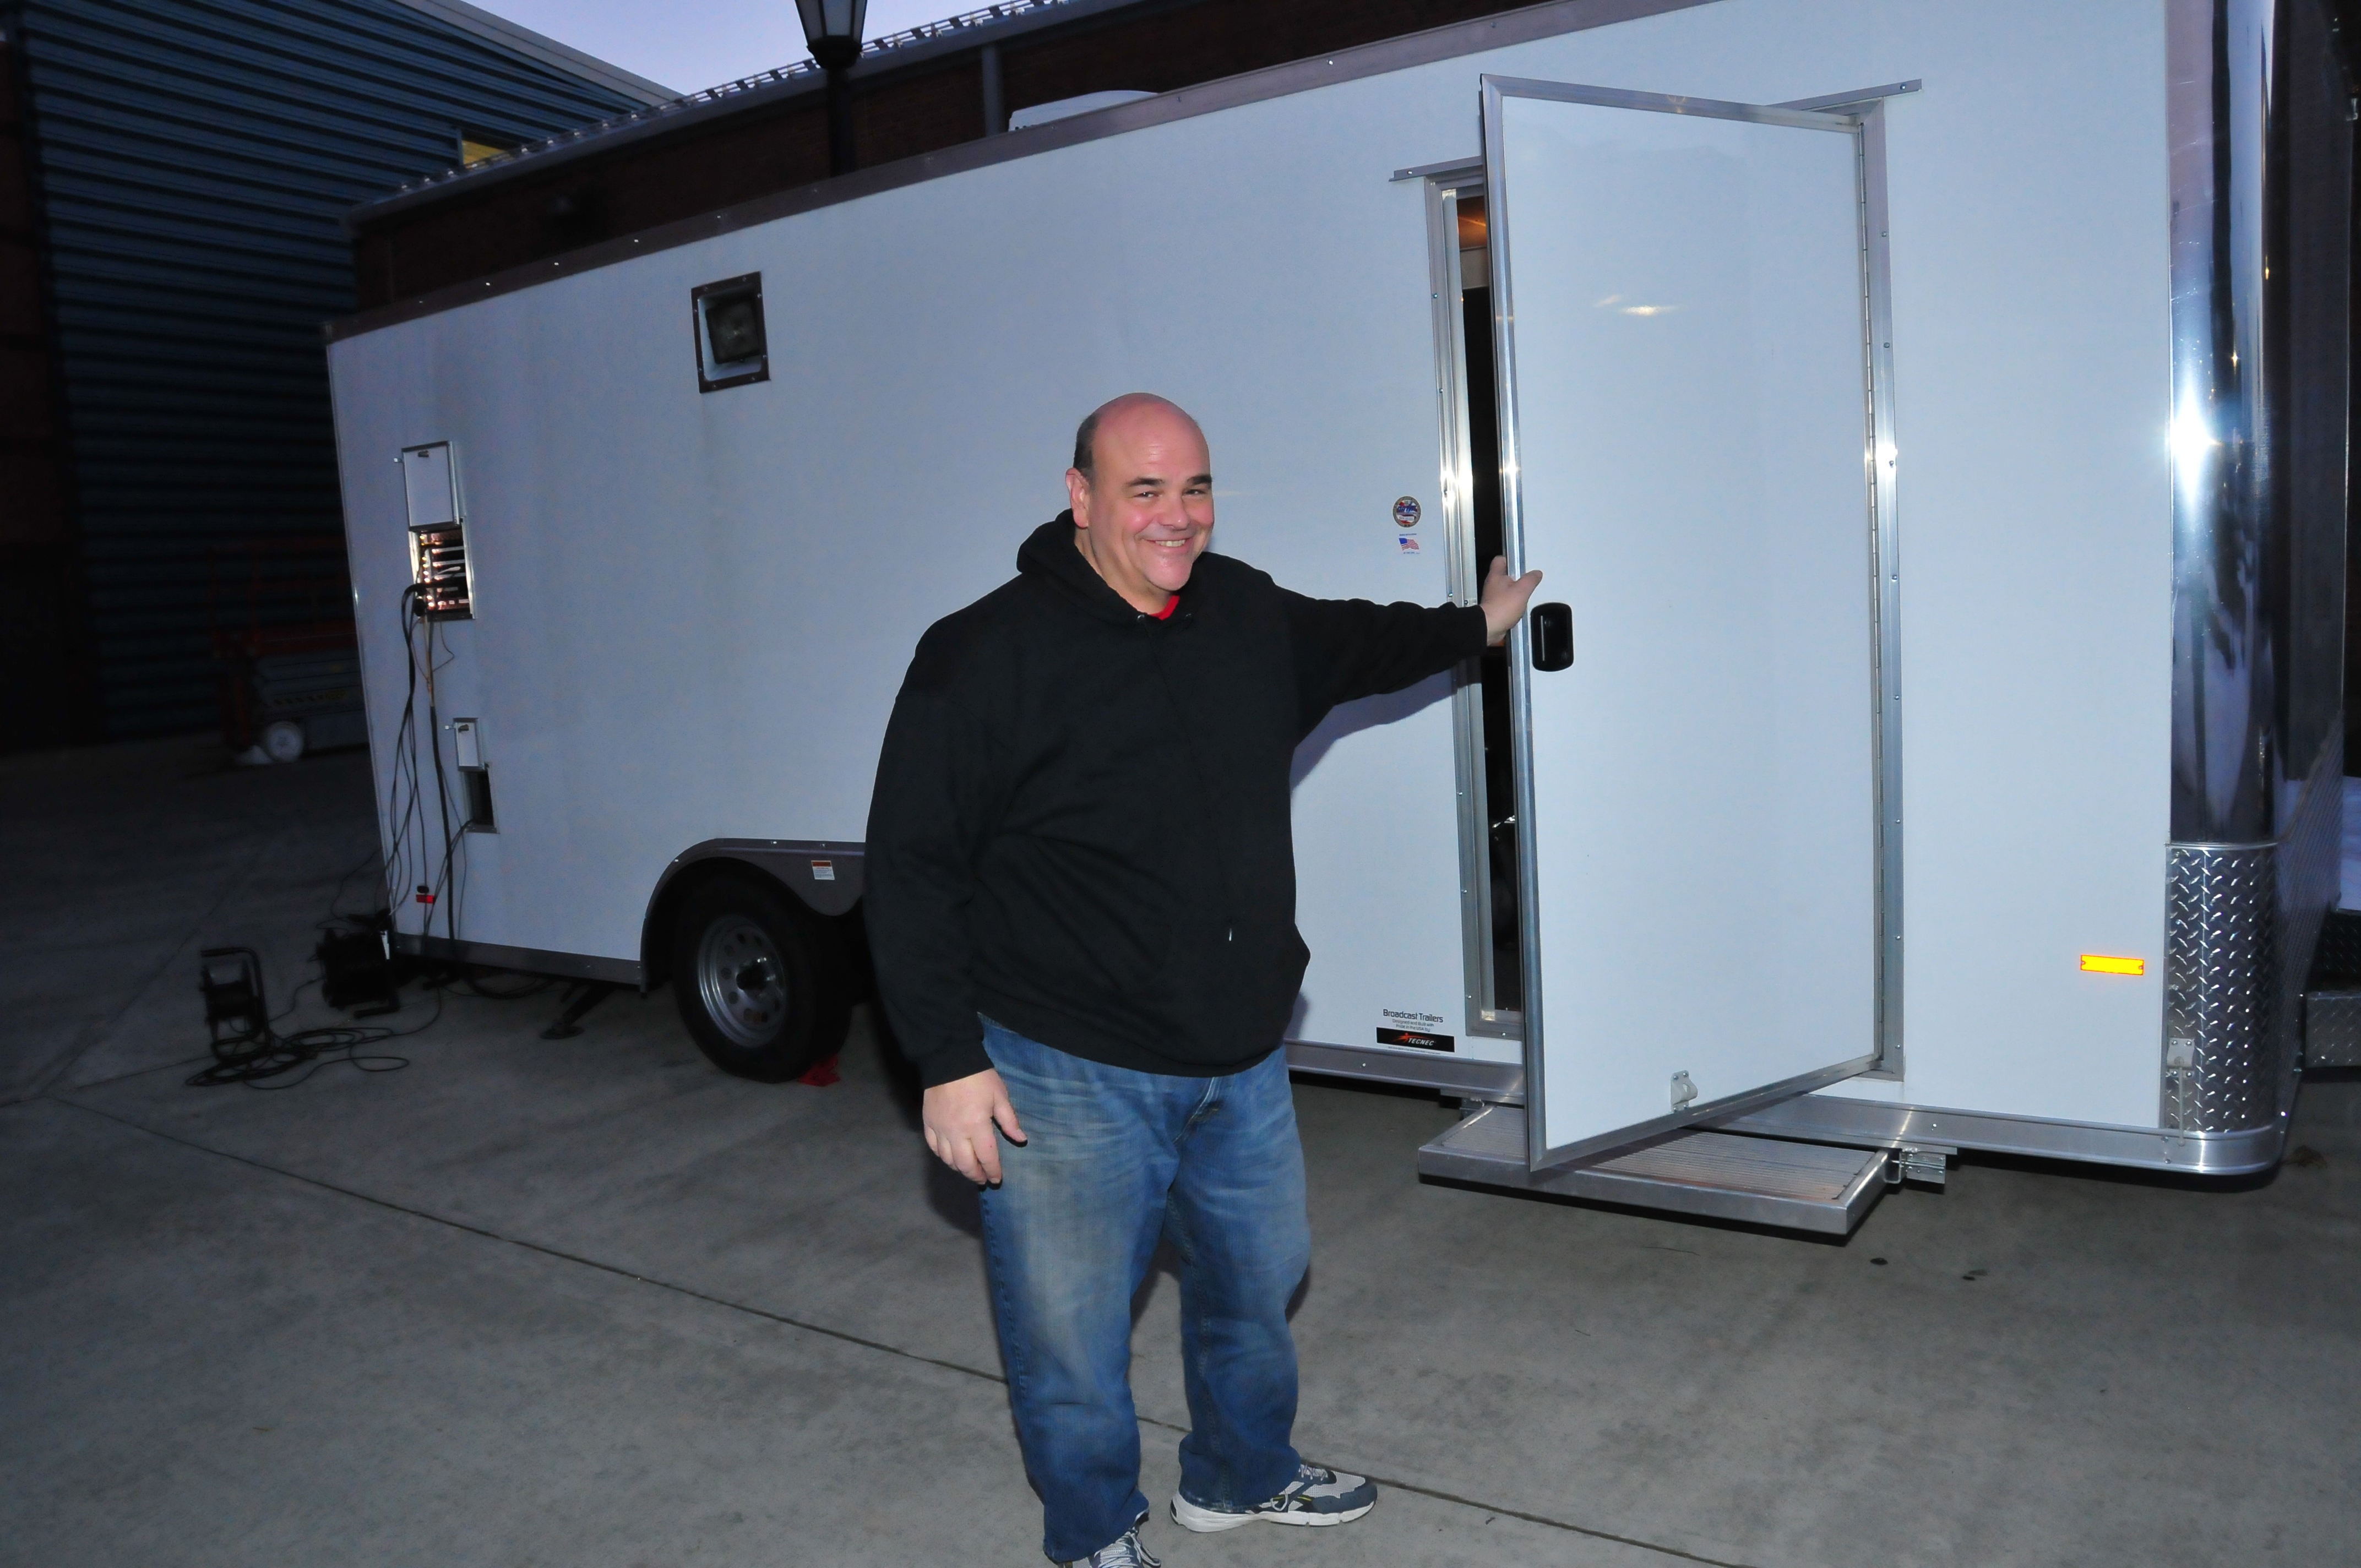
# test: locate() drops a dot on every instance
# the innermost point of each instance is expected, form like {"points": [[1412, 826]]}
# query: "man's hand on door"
{"points": [[1505, 597]]}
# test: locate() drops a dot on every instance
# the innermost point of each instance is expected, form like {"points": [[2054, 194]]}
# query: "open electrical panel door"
{"points": [[1689, 364]]}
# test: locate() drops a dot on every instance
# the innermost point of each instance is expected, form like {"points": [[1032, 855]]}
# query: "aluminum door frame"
{"points": [[1863, 120], [1439, 188]]}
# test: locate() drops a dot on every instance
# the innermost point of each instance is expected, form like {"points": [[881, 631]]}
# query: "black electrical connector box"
{"points": [[359, 970]]}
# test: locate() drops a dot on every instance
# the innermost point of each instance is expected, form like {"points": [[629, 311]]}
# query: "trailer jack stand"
{"points": [[581, 997]]}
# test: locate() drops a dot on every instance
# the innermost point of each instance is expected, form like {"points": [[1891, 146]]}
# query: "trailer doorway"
{"points": [[1489, 834]]}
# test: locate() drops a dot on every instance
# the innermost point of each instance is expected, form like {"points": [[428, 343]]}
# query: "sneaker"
{"points": [[1124, 1553], [1316, 1497]]}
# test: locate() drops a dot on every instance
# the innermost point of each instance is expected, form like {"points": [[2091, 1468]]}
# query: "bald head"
{"points": [[1142, 491], [1119, 412]]}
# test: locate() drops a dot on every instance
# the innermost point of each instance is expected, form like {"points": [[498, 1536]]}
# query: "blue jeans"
{"points": [[1116, 1160]]}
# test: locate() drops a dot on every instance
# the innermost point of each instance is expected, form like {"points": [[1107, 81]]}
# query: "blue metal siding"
{"points": [[196, 159]]}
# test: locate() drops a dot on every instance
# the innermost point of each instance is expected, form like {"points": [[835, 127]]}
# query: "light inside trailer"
{"points": [[2101, 963]]}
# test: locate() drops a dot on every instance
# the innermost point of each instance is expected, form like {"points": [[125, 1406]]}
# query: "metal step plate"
{"points": [[1762, 1182], [2332, 1028]]}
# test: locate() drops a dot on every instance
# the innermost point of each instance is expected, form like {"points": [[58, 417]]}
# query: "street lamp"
{"points": [[832, 29]]}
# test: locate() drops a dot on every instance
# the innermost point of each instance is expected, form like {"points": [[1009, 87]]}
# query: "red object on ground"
{"points": [[821, 1073], [297, 598]]}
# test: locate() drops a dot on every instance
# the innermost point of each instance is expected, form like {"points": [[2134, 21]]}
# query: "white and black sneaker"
{"points": [[1124, 1553], [1316, 1497]]}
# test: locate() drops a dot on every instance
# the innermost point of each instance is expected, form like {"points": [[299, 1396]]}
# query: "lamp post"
{"points": [[832, 29]]}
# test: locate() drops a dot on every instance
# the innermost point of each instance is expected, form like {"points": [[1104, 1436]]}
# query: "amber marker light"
{"points": [[2100, 964]]}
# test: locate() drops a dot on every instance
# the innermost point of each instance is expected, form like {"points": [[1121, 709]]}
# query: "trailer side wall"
{"points": [[693, 610]]}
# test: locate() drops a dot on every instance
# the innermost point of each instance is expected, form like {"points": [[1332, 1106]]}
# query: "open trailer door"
{"points": [[1689, 328]]}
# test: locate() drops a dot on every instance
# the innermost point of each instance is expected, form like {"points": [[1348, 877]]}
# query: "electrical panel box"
{"points": [[439, 539]]}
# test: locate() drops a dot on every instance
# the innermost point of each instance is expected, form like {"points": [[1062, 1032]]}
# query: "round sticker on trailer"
{"points": [[1406, 512]]}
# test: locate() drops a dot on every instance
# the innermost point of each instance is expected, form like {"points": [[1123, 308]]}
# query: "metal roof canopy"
{"points": [[545, 50], [1378, 58], [786, 84]]}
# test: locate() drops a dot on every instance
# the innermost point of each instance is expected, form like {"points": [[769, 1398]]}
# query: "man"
{"points": [[1081, 896]]}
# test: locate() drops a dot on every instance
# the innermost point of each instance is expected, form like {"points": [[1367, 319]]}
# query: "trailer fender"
{"points": [[823, 875]]}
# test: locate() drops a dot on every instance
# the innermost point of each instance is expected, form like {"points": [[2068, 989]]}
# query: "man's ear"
{"points": [[1077, 496]]}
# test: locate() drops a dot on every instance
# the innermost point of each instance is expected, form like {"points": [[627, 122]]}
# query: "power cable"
{"points": [[257, 1053], [413, 872]]}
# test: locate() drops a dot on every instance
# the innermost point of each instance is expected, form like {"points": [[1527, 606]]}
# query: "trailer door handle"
{"points": [[1552, 631]]}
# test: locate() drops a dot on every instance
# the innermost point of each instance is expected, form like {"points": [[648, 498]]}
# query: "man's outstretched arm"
{"points": [[1352, 648]]}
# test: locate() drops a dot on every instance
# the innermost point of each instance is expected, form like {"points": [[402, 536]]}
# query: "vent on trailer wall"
{"points": [[438, 538], [731, 348]]}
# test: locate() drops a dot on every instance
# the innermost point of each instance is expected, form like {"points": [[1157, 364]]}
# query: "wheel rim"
{"points": [[742, 980]]}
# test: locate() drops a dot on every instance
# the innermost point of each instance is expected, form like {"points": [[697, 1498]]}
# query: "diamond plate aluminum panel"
{"points": [[2220, 999], [2332, 1029], [2241, 923]]}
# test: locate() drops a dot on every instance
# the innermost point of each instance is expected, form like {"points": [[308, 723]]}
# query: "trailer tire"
{"points": [[760, 979]]}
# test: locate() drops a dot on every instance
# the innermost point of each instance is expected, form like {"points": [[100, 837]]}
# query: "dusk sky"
{"points": [[716, 41]]}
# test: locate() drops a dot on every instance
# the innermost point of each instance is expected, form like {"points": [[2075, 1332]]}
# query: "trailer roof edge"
{"points": [[1448, 42]]}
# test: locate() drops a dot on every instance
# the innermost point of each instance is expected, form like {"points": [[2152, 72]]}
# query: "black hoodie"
{"points": [[1082, 824]]}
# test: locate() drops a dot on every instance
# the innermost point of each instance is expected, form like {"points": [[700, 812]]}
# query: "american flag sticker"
{"points": [[1408, 543]]}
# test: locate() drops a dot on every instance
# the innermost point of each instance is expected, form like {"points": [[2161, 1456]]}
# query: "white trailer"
{"points": [[1929, 414]]}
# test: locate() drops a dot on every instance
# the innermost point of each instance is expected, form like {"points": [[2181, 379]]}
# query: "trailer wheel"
{"points": [[761, 981]]}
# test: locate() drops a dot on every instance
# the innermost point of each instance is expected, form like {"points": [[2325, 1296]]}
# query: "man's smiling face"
{"points": [[1145, 513]]}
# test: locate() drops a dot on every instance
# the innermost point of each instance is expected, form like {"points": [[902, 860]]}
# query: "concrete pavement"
{"points": [[587, 1301]]}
